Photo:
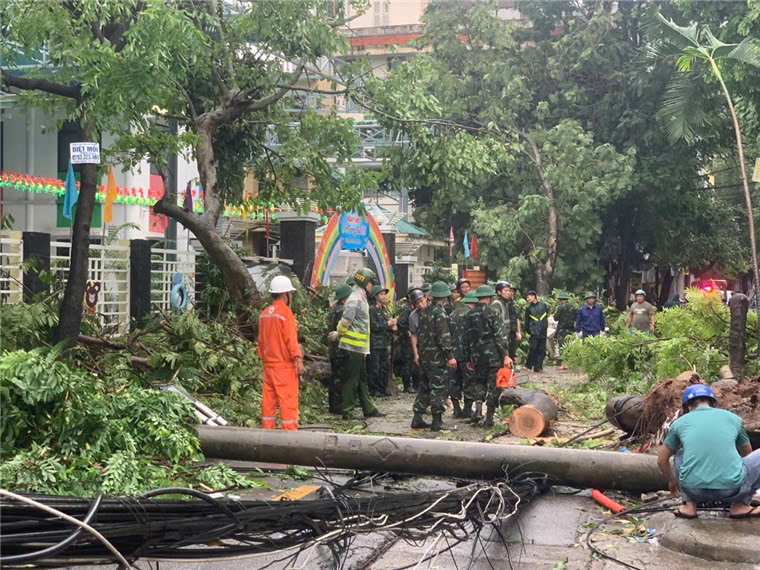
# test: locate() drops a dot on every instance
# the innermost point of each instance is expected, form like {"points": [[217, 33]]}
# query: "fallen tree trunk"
{"points": [[574, 467], [534, 414], [624, 412]]}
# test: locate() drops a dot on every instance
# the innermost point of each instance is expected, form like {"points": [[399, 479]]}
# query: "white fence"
{"points": [[108, 270], [164, 264], [11, 274]]}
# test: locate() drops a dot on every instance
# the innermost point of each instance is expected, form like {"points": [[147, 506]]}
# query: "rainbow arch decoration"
{"points": [[333, 243]]}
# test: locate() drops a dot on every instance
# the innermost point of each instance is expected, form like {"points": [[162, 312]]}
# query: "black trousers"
{"points": [[378, 369], [335, 382], [536, 353]]}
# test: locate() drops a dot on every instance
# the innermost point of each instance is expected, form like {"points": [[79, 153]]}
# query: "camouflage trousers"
{"points": [[433, 389], [456, 383], [475, 387], [486, 373]]}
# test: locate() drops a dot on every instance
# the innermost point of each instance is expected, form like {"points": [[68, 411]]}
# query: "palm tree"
{"points": [[680, 112]]}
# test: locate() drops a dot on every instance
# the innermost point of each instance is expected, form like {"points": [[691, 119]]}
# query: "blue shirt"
{"points": [[590, 321]]}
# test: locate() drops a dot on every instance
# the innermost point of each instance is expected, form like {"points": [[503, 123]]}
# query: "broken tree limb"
{"points": [[737, 335], [576, 467], [535, 411]]}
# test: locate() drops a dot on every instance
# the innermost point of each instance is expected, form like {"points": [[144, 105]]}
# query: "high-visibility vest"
{"points": [[355, 338]]}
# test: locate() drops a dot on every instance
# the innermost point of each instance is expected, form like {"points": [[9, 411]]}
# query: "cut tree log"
{"points": [[534, 414]]}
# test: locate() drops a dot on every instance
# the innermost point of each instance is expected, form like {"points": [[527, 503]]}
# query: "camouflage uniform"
{"points": [[378, 365], [486, 349], [337, 363], [458, 321], [565, 317], [435, 348]]}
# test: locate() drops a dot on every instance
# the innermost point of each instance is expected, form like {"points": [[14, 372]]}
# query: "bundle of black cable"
{"points": [[144, 527]]}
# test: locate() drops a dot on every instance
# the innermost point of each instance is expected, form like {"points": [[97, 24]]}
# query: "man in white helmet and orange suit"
{"points": [[282, 358]]}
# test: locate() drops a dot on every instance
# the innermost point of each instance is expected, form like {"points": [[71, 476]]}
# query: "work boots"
{"points": [[418, 422], [438, 424], [489, 417], [457, 409], [407, 384], [467, 411], [477, 415]]}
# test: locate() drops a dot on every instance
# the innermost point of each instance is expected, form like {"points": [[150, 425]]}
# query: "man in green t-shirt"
{"points": [[713, 459]]}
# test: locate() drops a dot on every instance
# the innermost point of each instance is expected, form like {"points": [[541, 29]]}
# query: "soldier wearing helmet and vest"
{"points": [[537, 325], [282, 358], [353, 338], [486, 351], [337, 357], [436, 356]]}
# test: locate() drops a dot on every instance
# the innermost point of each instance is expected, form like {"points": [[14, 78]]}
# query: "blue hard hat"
{"points": [[698, 391], [641, 292]]}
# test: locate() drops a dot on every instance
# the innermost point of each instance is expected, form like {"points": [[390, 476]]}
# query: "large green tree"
{"points": [[102, 58], [485, 142]]}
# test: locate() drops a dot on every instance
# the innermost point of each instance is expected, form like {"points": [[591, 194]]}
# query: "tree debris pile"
{"points": [[663, 404], [194, 529]]}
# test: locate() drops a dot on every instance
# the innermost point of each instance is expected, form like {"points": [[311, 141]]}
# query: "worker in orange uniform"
{"points": [[282, 357]]}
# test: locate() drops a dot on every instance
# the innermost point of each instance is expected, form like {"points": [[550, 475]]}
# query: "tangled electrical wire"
{"points": [[204, 527]]}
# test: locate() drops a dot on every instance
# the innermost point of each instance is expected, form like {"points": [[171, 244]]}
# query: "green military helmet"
{"points": [[425, 287], [485, 291], [350, 280], [376, 290], [342, 291], [452, 288], [365, 276], [563, 297], [440, 290], [590, 295], [470, 298]]}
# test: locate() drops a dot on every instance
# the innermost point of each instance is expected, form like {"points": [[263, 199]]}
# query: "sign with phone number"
{"points": [[354, 231]]}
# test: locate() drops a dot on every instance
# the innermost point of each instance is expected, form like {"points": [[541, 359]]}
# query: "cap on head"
{"points": [[563, 297], [641, 292], [342, 291], [365, 276], [280, 284], [698, 391], [531, 292], [485, 291], [470, 298], [590, 295], [415, 295], [503, 285], [439, 290]]}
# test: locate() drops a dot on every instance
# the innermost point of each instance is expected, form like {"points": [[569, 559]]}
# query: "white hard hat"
{"points": [[281, 284]]}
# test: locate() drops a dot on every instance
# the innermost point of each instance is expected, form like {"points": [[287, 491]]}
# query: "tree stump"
{"points": [[737, 335], [534, 414]]}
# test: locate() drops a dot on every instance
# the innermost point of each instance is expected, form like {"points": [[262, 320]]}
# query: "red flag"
{"points": [[451, 241], [474, 247]]}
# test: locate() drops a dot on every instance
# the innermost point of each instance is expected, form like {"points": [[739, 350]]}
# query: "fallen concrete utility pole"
{"points": [[574, 467]]}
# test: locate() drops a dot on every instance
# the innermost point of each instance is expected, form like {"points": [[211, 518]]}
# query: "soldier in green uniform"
{"points": [[500, 305], [537, 325], [565, 315], [380, 325], [337, 357], [407, 368], [461, 376], [452, 300], [486, 352], [463, 287], [436, 353], [515, 330]]}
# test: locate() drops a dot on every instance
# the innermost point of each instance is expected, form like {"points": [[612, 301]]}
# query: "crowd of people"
{"points": [[452, 342]]}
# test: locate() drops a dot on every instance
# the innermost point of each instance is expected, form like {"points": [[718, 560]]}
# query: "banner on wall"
{"points": [[354, 231]]}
